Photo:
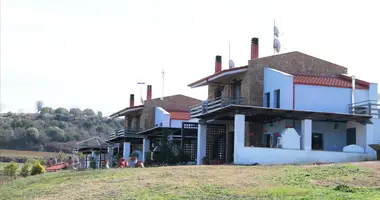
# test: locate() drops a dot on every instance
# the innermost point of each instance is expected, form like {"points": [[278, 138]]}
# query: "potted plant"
{"points": [[133, 156], [205, 161]]}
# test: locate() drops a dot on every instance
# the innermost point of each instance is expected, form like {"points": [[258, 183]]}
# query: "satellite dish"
{"points": [[276, 45], [231, 64], [276, 31]]}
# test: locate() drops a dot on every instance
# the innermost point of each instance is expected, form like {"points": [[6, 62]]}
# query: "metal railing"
{"points": [[370, 107], [123, 132], [211, 105]]}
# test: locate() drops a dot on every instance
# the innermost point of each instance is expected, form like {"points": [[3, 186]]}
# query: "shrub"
{"points": [[25, 169], [11, 169], [37, 169]]}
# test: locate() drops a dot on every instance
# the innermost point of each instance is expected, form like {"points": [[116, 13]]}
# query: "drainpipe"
{"points": [[353, 93]]}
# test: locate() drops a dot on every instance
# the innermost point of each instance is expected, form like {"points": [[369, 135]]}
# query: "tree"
{"points": [[89, 112], [39, 105], [56, 134], [47, 110], [62, 111], [32, 134], [76, 111], [100, 114]]}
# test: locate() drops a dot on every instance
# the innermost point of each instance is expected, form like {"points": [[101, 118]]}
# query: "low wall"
{"points": [[265, 156]]}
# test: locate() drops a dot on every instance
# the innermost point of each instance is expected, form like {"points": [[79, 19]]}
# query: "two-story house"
{"points": [[145, 123], [286, 108]]}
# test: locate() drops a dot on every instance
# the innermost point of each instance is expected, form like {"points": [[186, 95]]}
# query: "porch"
{"points": [[276, 136]]}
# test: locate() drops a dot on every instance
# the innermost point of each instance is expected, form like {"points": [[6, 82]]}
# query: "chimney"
{"points": [[218, 64], [132, 100], [149, 92], [255, 48]]}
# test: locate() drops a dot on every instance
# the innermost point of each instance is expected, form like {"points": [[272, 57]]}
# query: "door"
{"points": [[317, 141], [267, 140], [351, 136], [230, 147]]}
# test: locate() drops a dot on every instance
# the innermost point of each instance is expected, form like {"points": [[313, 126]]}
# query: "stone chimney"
{"points": [[254, 48], [149, 92], [218, 64], [132, 100]]}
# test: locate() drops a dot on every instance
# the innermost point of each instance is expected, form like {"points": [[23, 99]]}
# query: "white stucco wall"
{"points": [[161, 116], [250, 155], [176, 123], [273, 80]]}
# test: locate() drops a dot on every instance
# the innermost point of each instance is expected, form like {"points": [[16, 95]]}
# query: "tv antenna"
{"points": [[231, 63], [163, 83], [276, 42], [141, 85]]}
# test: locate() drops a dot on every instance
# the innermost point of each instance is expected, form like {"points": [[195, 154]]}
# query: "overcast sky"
{"points": [[91, 54]]}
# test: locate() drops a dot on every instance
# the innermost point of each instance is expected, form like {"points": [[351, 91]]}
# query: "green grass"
{"points": [[349, 181], [27, 154], [2, 165]]}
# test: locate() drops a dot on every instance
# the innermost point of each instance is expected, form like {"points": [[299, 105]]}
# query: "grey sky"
{"points": [[77, 53]]}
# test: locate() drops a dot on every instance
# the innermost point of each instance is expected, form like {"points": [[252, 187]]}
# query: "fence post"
{"points": [[369, 108]]}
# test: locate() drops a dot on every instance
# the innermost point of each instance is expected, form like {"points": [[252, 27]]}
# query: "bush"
{"points": [[37, 169], [11, 169], [25, 169]]}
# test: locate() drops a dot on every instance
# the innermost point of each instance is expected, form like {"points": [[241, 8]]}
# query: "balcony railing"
{"points": [[123, 132], [211, 105], [365, 108]]}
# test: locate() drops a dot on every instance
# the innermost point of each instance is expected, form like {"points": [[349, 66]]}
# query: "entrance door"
{"points": [[317, 141], [351, 136], [216, 143], [230, 147]]}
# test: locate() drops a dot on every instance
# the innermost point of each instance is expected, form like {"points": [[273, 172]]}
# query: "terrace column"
{"points": [[146, 145], [365, 136], [239, 134], [126, 150], [306, 134], [201, 145]]}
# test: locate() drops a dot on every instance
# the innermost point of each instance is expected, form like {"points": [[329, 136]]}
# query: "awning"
{"points": [[263, 114], [219, 77], [130, 110]]}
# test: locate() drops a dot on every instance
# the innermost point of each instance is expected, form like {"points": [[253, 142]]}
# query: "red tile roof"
{"points": [[340, 81], [179, 115]]}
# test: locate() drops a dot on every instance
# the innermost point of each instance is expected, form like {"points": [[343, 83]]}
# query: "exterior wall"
{"points": [[376, 135], [161, 116], [227, 92], [333, 139], [250, 155], [176, 123], [326, 99], [293, 63], [273, 80]]}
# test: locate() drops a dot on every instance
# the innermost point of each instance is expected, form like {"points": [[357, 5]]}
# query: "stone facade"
{"points": [[169, 103]]}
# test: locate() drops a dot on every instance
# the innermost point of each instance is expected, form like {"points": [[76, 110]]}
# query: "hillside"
{"points": [[52, 130], [338, 181]]}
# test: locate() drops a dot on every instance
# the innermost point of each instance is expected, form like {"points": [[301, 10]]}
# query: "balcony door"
{"points": [[236, 92]]}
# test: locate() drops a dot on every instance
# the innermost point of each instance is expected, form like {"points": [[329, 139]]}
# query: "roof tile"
{"points": [[329, 81], [179, 115]]}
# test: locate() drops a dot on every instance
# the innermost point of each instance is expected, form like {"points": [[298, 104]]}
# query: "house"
{"points": [[286, 108], [146, 123]]}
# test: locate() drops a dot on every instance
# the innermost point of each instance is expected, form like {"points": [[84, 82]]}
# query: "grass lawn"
{"points": [[31, 154], [340, 181]]}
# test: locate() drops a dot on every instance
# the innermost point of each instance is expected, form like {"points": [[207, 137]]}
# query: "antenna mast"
{"points": [[274, 35], [163, 83]]}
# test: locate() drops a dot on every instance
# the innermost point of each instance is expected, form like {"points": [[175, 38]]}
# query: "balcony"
{"points": [[124, 133], [211, 105], [370, 107]]}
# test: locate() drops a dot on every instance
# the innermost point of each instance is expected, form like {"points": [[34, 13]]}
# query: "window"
{"points": [[277, 98], [317, 141], [137, 122], [218, 93], [236, 92], [267, 100], [129, 123]]}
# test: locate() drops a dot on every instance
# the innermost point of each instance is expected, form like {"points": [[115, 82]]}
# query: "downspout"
{"points": [[294, 102], [353, 94]]}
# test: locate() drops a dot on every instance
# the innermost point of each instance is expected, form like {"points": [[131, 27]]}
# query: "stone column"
{"points": [[306, 134], [239, 134], [201, 146]]}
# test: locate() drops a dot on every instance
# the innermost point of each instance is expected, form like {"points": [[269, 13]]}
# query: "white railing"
{"points": [[211, 105], [371, 107]]}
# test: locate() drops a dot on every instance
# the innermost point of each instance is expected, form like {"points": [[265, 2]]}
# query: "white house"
{"points": [[286, 108]]}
